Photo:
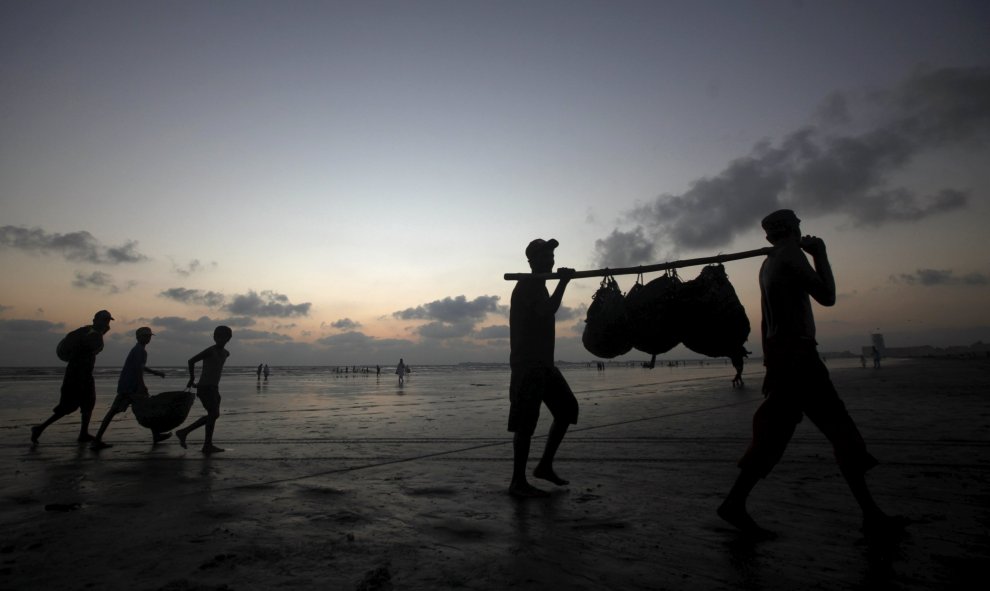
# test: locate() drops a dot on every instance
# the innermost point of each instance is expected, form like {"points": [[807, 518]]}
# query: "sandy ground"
{"points": [[412, 496]]}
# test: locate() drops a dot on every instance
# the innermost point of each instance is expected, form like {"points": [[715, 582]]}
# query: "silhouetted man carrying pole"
{"points": [[797, 382], [535, 380]]}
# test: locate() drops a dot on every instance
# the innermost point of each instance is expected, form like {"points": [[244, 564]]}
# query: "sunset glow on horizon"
{"points": [[347, 182]]}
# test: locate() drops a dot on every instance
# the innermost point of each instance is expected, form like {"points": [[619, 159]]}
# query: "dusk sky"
{"points": [[347, 182]]}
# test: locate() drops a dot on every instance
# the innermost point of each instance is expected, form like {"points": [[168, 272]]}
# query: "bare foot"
{"points": [[549, 474], [35, 433], [212, 449], [159, 437], [527, 491], [738, 517], [99, 444], [181, 435], [85, 438]]}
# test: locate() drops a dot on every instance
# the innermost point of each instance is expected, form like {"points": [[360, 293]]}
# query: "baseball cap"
{"points": [[103, 314], [144, 330], [778, 222], [540, 245]]}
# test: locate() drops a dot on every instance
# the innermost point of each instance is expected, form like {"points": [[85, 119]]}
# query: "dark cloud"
{"points": [[453, 310], [21, 326], [27, 342], [210, 299], [266, 304], [99, 280], [248, 334], [624, 249], [345, 324], [822, 170], [934, 277], [347, 343], [203, 324], [451, 318], [566, 313], [500, 331], [445, 330], [76, 246]]}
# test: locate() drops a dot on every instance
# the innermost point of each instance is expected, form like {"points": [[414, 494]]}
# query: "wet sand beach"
{"points": [[407, 490]]}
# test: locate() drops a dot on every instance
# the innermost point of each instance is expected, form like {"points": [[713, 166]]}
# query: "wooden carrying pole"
{"points": [[732, 256]]}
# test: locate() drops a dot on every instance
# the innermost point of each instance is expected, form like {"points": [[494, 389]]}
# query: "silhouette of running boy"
{"points": [[130, 386], [208, 387]]}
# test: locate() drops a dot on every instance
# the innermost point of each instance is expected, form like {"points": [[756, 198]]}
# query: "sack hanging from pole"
{"points": [[606, 329], [717, 325], [654, 311]]}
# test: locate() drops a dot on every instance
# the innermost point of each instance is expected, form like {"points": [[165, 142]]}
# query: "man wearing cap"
{"points": [[130, 385], [797, 382], [78, 388], [535, 379]]}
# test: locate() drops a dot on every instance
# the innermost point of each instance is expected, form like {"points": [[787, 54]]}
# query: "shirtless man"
{"points": [[797, 382], [208, 387]]}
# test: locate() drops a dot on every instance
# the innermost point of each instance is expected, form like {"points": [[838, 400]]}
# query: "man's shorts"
{"points": [[210, 397], [802, 387], [78, 392], [530, 387]]}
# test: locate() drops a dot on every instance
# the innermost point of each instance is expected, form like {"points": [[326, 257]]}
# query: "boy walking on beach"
{"points": [[80, 348], [535, 379], [208, 388], [797, 382], [130, 386]]}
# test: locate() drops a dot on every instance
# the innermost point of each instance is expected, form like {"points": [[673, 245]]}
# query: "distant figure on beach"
{"points": [[130, 386], [267, 372], [401, 371], [862, 361], [79, 348], [876, 358], [260, 365], [738, 363], [797, 382], [208, 388], [535, 380]]}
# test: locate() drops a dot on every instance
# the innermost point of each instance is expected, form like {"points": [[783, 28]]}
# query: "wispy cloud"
{"points": [[210, 299], [266, 304], [345, 324], [193, 266], [101, 281], [821, 169], [935, 277], [78, 246]]}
